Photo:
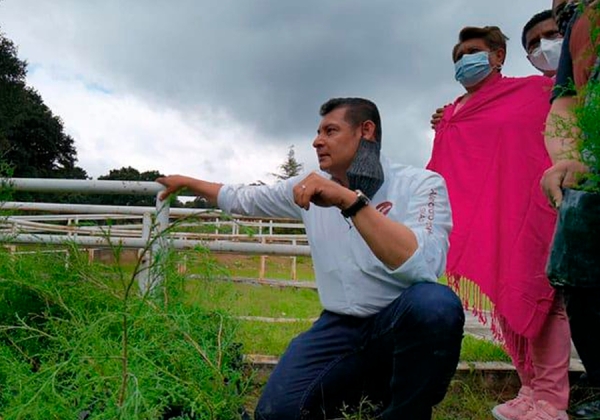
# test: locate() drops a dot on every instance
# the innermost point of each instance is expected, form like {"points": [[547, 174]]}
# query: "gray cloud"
{"points": [[270, 63]]}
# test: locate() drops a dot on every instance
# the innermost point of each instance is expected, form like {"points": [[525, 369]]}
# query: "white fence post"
{"points": [[143, 275], [294, 263], [160, 246]]}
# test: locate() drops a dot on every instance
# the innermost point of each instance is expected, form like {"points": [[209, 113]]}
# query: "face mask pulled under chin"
{"points": [[365, 172], [547, 55], [472, 68]]}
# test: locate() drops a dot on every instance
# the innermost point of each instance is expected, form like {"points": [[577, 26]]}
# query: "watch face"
{"points": [[362, 196]]}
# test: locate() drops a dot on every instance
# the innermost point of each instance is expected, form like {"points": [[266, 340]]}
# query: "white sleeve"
{"points": [[429, 216], [265, 200]]}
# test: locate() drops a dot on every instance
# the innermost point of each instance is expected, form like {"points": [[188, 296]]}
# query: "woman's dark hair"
{"points": [[492, 36]]}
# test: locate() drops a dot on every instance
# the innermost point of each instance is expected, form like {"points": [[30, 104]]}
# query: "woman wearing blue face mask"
{"points": [[478, 59], [489, 148]]}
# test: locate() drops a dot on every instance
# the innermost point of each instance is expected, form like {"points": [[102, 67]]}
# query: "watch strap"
{"points": [[361, 201]]}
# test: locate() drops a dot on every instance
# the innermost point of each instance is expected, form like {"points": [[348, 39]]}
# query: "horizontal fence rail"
{"points": [[84, 186], [215, 246], [146, 228], [224, 228]]}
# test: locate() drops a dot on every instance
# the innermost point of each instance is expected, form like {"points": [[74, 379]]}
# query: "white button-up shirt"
{"points": [[350, 278]]}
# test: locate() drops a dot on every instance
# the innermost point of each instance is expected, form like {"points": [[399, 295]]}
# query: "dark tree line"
{"points": [[33, 141]]}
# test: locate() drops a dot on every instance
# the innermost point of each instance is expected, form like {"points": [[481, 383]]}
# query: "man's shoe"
{"points": [[589, 410]]}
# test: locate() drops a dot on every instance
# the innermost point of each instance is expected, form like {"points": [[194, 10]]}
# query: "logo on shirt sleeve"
{"points": [[384, 208], [427, 213]]}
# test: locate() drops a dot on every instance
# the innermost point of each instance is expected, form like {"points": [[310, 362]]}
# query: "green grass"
{"points": [[272, 340], [199, 298], [249, 266], [274, 302], [477, 350], [254, 300], [266, 339], [466, 399], [76, 337]]}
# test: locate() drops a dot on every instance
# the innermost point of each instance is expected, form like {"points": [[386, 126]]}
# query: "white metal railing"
{"points": [[76, 223], [24, 230], [154, 242]]}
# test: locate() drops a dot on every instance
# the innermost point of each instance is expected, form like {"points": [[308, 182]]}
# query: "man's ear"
{"points": [[368, 129]]}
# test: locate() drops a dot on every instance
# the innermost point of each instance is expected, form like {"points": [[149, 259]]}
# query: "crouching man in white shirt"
{"points": [[378, 234]]}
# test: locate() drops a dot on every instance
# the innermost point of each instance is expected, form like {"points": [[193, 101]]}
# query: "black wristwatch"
{"points": [[361, 201]]}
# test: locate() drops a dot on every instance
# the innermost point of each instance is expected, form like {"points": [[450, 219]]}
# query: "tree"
{"points": [[291, 167], [198, 203], [131, 174], [128, 174], [11, 68], [32, 138]]}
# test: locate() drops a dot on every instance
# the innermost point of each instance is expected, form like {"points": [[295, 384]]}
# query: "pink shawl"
{"points": [[492, 155]]}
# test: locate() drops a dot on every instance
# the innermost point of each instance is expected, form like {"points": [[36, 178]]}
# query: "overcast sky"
{"points": [[219, 89]]}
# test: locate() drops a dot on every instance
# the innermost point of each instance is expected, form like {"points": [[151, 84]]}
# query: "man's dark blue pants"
{"points": [[403, 358]]}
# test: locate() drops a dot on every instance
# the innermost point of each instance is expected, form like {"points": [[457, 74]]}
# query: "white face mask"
{"points": [[546, 56]]}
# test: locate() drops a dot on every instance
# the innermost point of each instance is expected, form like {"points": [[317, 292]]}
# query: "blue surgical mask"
{"points": [[472, 68]]}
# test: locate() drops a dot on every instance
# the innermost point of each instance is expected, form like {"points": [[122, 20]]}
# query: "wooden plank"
{"points": [[270, 361], [275, 320], [265, 282]]}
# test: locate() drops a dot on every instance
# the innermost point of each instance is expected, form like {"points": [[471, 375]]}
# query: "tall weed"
{"points": [[78, 341]]}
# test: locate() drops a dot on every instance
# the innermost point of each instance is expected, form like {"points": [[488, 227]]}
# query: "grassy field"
{"points": [[272, 338], [274, 302], [466, 398]]}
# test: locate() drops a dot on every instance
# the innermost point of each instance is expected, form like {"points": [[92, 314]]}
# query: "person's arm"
{"points": [[561, 143], [392, 242], [561, 130], [204, 189], [266, 200], [429, 217]]}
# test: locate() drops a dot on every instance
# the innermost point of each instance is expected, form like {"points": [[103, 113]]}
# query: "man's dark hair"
{"points": [[492, 36], [358, 110], [537, 18]]}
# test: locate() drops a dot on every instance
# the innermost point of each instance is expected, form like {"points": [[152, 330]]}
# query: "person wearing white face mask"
{"points": [[489, 148], [578, 22], [543, 42]]}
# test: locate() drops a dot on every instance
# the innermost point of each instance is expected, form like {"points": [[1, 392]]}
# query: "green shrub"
{"points": [[587, 115], [77, 342]]}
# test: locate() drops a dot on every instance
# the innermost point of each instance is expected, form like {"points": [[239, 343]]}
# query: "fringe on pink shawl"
{"points": [[475, 301]]}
